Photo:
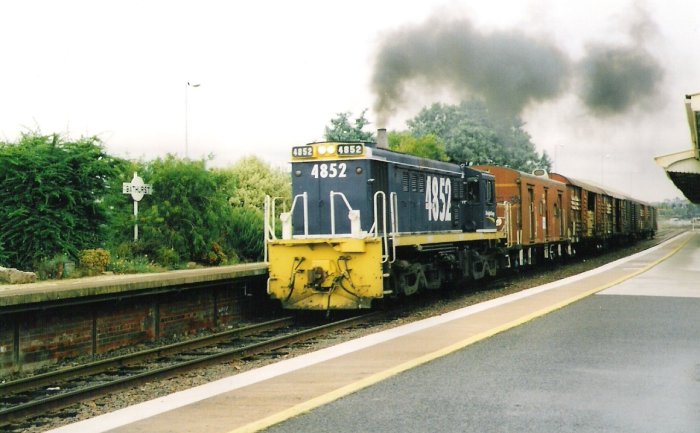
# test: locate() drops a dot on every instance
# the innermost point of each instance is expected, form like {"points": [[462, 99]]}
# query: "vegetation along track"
{"points": [[35, 395]]}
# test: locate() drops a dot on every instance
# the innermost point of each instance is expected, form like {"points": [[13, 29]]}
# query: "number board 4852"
{"points": [[438, 198], [329, 170], [355, 149]]}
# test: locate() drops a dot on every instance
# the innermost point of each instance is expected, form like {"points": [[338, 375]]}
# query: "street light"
{"points": [[187, 88]]}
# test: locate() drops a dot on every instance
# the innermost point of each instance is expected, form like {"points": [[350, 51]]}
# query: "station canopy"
{"points": [[683, 168]]}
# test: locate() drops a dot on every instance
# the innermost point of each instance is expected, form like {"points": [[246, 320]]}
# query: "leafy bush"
{"points": [[124, 250], [53, 268], [168, 257], [247, 234], [216, 256], [94, 260], [136, 265]]}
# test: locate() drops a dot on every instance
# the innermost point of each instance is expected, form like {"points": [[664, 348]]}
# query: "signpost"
{"points": [[137, 189]]}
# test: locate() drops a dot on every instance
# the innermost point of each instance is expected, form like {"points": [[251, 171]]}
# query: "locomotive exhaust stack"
{"points": [[382, 140]]}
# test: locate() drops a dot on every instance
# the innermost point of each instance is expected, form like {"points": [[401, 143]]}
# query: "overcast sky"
{"points": [[273, 73]]}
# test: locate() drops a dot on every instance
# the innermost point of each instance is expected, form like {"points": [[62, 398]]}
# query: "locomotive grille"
{"points": [[421, 183]]}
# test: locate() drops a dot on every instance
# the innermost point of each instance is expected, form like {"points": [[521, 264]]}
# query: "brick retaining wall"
{"points": [[36, 338]]}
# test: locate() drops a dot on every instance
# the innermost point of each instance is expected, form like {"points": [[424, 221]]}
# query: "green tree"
{"points": [[426, 146], [52, 192], [342, 130], [250, 179], [472, 135], [248, 182]]}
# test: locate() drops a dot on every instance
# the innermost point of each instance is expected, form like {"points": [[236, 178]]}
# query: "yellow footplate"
{"points": [[322, 274]]}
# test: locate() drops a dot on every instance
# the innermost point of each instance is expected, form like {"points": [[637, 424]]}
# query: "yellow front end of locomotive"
{"points": [[325, 274]]}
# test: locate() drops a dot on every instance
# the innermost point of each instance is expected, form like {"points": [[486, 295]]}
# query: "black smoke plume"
{"points": [[506, 70], [510, 70], [617, 79]]}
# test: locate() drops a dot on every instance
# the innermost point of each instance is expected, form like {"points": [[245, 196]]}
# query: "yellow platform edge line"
{"points": [[383, 375]]}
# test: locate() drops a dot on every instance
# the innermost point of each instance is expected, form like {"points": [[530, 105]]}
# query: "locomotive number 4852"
{"points": [[438, 198], [333, 169]]}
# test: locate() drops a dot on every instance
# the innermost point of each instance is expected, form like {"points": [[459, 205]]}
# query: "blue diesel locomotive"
{"points": [[367, 222]]}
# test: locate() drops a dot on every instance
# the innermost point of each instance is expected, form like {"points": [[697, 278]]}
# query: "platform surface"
{"points": [[12, 295], [526, 362]]}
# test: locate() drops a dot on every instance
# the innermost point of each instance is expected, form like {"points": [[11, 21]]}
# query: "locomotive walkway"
{"points": [[537, 360]]}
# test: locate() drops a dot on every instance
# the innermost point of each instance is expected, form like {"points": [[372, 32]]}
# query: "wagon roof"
{"points": [[599, 189]]}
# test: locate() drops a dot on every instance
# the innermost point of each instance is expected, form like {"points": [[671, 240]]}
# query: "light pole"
{"points": [[187, 88]]}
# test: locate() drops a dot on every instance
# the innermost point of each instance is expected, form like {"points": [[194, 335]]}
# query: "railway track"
{"points": [[39, 394]]}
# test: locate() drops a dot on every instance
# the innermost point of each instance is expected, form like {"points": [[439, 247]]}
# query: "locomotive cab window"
{"points": [[472, 189]]}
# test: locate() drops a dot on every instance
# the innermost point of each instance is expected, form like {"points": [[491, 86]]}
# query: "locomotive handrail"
{"points": [[374, 230], [287, 217], [269, 216], [375, 226], [268, 228], [394, 205], [353, 215]]}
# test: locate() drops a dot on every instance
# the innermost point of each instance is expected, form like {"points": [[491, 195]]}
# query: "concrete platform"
{"points": [[36, 294], [273, 395]]}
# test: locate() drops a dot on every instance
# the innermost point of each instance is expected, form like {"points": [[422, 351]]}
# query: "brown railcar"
{"points": [[600, 216], [590, 209], [532, 212]]}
